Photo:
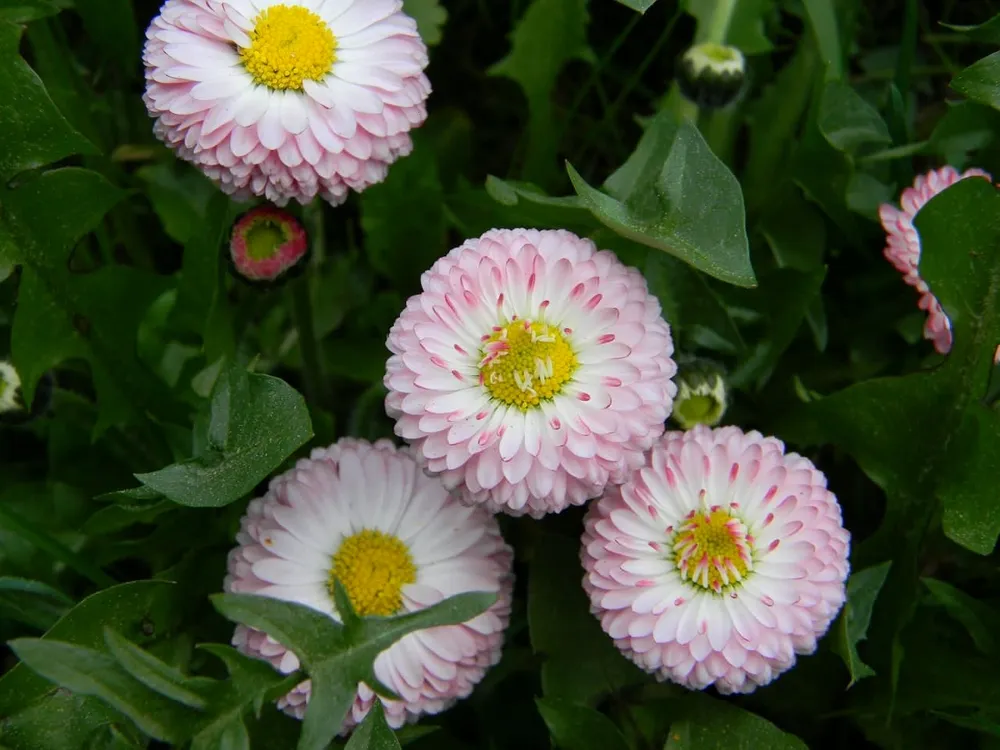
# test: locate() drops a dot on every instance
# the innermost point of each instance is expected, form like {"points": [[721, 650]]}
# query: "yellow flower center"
{"points": [[373, 566], [288, 45], [524, 363], [712, 550]]}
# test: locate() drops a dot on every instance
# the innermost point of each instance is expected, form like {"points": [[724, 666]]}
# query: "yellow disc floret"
{"points": [[288, 45], [524, 363], [712, 550], [373, 566]]}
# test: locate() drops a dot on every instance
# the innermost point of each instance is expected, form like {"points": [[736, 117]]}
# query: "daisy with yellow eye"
{"points": [[287, 100], [531, 372], [367, 516]]}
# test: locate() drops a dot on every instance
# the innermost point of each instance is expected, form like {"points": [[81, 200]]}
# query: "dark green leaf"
{"points": [[32, 132], [987, 32], [22, 11], [640, 5], [848, 121], [705, 723], [562, 629], [32, 602], [257, 421], [674, 194], [374, 733], [338, 658], [576, 727], [822, 17], [89, 672], [549, 35], [981, 81], [62, 721], [978, 619], [150, 671], [852, 626], [111, 24]]}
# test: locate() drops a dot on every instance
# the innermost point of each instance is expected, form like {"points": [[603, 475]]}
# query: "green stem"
{"points": [[717, 27], [714, 31], [300, 307], [56, 549]]}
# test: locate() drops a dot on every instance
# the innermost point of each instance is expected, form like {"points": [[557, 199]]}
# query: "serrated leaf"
{"points": [[257, 421], [336, 657], [549, 35], [374, 733], [675, 195], [576, 727], [32, 131], [852, 626], [430, 16]]}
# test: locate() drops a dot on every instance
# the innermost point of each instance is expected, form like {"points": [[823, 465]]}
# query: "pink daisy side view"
{"points": [[903, 244], [287, 100], [717, 562], [368, 516], [532, 371]]}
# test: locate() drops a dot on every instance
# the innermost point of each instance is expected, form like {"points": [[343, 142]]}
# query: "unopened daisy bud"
{"points": [[266, 243], [10, 389], [712, 75], [701, 395]]}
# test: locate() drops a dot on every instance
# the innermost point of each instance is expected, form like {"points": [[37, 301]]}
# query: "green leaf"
{"points": [[403, 220], [150, 671], [987, 32], [111, 25], [63, 721], [576, 727], [562, 629], [32, 131], [33, 603], [675, 195], [847, 121], [981, 81], [822, 17], [92, 673], [22, 11], [200, 282], [141, 610], [852, 626], [374, 733], [705, 723], [256, 422], [430, 16], [93, 315], [979, 619], [336, 657], [549, 35], [640, 5]]}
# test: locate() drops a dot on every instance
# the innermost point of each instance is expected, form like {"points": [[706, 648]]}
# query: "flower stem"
{"points": [[300, 307], [717, 26]]}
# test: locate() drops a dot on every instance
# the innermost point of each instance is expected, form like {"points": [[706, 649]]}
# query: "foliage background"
{"points": [[115, 296]]}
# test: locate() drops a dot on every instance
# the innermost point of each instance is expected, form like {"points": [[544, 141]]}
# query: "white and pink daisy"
{"points": [[531, 372], [717, 562], [287, 100], [266, 242], [367, 515], [903, 245]]}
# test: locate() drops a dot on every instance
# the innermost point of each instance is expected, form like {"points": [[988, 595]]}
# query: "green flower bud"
{"points": [[712, 75], [701, 395]]}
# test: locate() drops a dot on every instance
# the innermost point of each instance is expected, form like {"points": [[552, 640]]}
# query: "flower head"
{"points": [[287, 100], [531, 372], [10, 389], [266, 243], [701, 395], [719, 561], [366, 515], [712, 75], [903, 245]]}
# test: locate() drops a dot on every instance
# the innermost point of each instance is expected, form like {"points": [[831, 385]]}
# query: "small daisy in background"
{"points": [[10, 389], [287, 100], [719, 561], [903, 245], [267, 243], [366, 515], [531, 372]]}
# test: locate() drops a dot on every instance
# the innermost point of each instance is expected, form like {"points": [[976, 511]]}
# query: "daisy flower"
{"points": [[719, 561], [532, 371], [366, 515], [266, 243], [288, 100], [903, 244]]}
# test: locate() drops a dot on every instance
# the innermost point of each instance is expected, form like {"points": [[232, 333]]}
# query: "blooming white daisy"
{"points": [[366, 515], [531, 372], [288, 100], [719, 561]]}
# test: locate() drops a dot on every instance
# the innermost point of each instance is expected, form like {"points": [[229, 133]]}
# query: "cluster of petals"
{"points": [[567, 448], [289, 536], [903, 245], [329, 136], [286, 240], [736, 636]]}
